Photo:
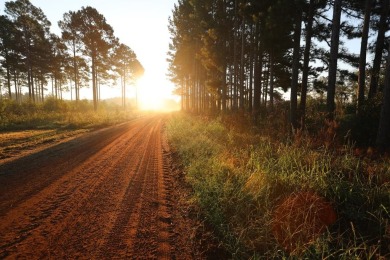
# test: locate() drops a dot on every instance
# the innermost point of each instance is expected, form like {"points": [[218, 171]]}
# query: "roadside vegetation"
{"points": [[28, 125], [268, 195], [304, 176], [59, 114]]}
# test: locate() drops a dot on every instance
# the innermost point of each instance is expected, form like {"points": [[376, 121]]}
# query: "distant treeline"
{"points": [[33, 58]]}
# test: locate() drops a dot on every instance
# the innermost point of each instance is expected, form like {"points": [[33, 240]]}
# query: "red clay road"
{"points": [[105, 195]]}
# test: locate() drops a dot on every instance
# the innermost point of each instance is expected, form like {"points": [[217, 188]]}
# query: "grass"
{"points": [[271, 199], [28, 125], [12, 143], [58, 114]]}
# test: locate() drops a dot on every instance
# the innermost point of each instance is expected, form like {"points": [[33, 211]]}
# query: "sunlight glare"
{"points": [[151, 93]]}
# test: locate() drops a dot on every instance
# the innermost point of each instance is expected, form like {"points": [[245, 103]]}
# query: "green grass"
{"points": [[242, 179]]}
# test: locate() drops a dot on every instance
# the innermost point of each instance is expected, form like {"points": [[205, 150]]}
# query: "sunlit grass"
{"points": [[242, 180], [58, 114], [28, 125], [13, 143]]}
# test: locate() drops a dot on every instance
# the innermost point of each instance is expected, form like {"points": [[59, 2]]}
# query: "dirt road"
{"points": [[105, 195]]}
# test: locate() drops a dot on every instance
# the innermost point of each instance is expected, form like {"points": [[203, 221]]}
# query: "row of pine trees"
{"points": [[237, 55], [32, 58]]}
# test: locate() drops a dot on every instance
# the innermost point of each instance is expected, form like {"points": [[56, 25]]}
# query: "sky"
{"points": [[140, 24]]}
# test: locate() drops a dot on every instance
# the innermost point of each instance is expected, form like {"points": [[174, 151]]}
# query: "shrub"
{"points": [[82, 106], [52, 104], [11, 107]]}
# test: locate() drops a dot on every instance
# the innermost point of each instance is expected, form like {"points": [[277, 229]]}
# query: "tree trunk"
{"points": [[32, 86], [224, 90], [182, 95], [55, 88], [94, 87], [42, 92], [121, 77], [250, 89], [242, 80], [235, 59], [295, 70], [271, 81], [75, 72], [334, 50], [383, 136], [379, 49], [29, 72], [363, 55], [60, 89], [230, 89], [16, 87], [29, 83], [188, 93], [258, 74], [52, 85], [306, 60], [9, 83], [265, 87], [124, 88]]}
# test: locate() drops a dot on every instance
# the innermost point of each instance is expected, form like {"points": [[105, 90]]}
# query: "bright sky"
{"points": [[140, 24]]}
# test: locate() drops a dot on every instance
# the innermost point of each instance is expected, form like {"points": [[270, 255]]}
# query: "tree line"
{"points": [[237, 56], [31, 57]]}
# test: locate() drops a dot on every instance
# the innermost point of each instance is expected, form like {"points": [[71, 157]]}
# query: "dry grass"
{"points": [[300, 219]]}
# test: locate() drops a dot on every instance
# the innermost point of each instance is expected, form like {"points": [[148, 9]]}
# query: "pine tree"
{"points": [[383, 136], [98, 38], [334, 51], [379, 47], [33, 27]]}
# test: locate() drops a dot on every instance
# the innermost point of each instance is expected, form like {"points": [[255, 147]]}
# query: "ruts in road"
{"points": [[105, 195]]}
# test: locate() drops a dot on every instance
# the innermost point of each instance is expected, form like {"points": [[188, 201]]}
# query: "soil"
{"points": [[110, 194]]}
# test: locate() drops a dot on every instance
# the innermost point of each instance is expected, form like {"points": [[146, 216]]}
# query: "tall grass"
{"points": [[269, 199]]}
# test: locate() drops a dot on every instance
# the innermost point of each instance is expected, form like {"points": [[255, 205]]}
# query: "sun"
{"points": [[152, 93], [147, 94]]}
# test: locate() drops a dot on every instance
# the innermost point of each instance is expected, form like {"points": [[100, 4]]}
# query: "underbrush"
{"points": [[272, 199], [58, 114]]}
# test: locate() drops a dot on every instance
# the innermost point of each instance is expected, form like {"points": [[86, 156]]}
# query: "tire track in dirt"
{"points": [[62, 158], [108, 199]]}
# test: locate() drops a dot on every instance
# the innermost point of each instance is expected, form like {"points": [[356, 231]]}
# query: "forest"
{"points": [[285, 138], [248, 57], [40, 63]]}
